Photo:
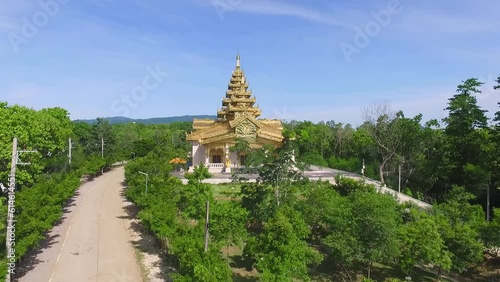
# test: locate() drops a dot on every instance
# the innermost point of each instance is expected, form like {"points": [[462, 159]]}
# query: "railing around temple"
{"points": [[215, 165]]}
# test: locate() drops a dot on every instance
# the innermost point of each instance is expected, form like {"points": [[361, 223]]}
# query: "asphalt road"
{"points": [[92, 243]]}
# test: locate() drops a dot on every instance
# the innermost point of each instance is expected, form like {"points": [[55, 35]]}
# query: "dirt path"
{"points": [[91, 243]]}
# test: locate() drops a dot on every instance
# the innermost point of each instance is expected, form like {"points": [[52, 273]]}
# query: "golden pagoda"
{"points": [[238, 118]]}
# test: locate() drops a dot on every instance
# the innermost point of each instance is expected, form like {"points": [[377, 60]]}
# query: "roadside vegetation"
{"points": [[284, 227]]}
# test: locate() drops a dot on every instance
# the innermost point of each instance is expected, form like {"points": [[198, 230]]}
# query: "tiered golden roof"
{"points": [[238, 98], [237, 118]]}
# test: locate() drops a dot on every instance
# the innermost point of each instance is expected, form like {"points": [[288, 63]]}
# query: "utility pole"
{"points": [[207, 227], [69, 153], [70, 149], [399, 179], [102, 153]]}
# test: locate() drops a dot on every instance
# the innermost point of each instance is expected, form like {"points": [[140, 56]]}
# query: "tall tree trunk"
{"points": [[439, 274], [369, 269], [381, 171], [346, 273]]}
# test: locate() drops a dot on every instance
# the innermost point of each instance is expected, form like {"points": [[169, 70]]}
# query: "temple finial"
{"points": [[238, 58]]}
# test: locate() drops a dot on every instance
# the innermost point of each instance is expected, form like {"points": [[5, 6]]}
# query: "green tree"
{"points": [[198, 175], [383, 126], [141, 148], [459, 224], [228, 222], [281, 252], [194, 198], [407, 156], [280, 170], [466, 138], [241, 146], [421, 243], [194, 263], [376, 219], [329, 216], [431, 167], [257, 199], [242, 149], [46, 131], [490, 233], [494, 155], [102, 132], [342, 138]]}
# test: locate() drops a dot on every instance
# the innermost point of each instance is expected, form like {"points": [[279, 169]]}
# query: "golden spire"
{"points": [[238, 99]]}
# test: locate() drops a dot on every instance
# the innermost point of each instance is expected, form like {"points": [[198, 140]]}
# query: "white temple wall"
{"points": [[198, 153]]}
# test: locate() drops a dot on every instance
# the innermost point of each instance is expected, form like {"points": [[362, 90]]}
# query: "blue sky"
{"points": [[89, 55]]}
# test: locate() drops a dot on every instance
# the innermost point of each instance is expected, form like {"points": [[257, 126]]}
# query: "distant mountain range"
{"points": [[160, 120]]}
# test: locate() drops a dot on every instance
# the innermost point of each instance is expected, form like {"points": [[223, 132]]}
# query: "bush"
{"points": [[346, 186], [408, 192], [314, 158], [350, 164]]}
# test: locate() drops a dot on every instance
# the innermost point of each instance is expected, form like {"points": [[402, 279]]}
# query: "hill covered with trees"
{"points": [[159, 120]]}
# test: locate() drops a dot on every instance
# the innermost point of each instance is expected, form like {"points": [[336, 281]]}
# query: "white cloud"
{"points": [[278, 8]]}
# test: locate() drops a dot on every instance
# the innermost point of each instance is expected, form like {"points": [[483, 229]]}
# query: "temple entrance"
{"points": [[216, 156], [216, 159]]}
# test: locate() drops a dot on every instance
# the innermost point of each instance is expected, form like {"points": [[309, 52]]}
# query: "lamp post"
{"points": [[363, 168], [146, 180], [399, 179]]}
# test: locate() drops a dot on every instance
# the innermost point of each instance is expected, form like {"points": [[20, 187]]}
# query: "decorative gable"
{"points": [[246, 129]]}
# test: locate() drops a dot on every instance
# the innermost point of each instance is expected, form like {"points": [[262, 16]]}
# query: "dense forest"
{"points": [[284, 226]]}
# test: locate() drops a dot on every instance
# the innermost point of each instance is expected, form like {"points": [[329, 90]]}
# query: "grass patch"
{"points": [[226, 191], [329, 271], [243, 270], [142, 267]]}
